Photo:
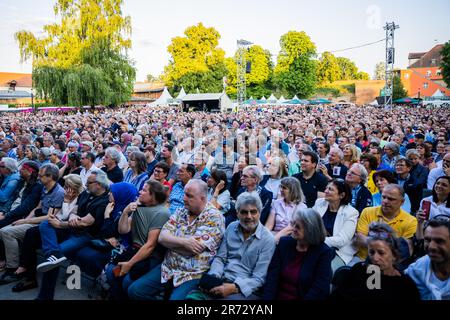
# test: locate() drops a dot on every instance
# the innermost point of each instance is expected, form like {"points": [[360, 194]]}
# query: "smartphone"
{"points": [[426, 206]]}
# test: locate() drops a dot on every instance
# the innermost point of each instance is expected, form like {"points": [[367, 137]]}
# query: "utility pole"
{"points": [[390, 59]]}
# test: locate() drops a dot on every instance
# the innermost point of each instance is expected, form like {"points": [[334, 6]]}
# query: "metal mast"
{"points": [[242, 46], [390, 59]]}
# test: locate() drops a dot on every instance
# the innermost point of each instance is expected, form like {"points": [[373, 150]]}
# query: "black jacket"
{"points": [[315, 273], [363, 199], [30, 199]]}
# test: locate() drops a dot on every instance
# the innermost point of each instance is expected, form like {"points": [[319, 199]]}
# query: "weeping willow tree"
{"points": [[82, 60]]}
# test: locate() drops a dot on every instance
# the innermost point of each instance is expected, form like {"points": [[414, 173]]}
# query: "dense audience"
{"points": [[291, 203]]}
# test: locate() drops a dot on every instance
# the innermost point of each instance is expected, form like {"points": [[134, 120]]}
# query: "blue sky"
{"points": [[332, 25]]}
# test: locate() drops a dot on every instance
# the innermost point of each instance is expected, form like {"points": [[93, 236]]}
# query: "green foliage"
{"points": [[195, 61], [328, 69], [81, 60], [361, 75], [350, 88], [380, 71], [295, 72], [445, 65], [104, 77], [398, 90], [348, 69], [328, 91], [259, 80]]}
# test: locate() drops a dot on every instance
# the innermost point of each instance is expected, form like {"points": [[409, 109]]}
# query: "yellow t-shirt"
{"points": [[371, 184], [404, 224]]}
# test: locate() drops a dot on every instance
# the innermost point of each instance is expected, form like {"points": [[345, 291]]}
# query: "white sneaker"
{"points": [[51, 263]]}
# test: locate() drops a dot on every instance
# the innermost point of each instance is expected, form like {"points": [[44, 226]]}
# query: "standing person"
{"points": [[301, 265], [384, 253], [313, 182]]}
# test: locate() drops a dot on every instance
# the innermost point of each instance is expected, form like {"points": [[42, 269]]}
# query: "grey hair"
{"points": [[249, 199], [51, 170], [295, 189], [393, 146], [396, 186], [314, 230], [363, 175], [131, 149], [339, 152], [412, 152], [201, 185], [139, 137], [255, 171], [10, 164], [113, 153], [102, 179]]}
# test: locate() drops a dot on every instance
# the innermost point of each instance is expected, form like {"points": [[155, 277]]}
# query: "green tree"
{"points": [[398, 89], [259, 80], [81, 59], [380, 71], [328, 69], [445, 65], [348, 69], [361, 75], [295, 72], [195, 58]]}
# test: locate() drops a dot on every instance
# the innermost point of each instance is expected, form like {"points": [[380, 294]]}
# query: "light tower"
{"points": [[242, 46], [390, 59]]}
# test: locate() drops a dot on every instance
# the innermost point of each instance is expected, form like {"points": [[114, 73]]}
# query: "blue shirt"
{"points": [[138, 181], [244, 262], [176, 197], [53, 198]]}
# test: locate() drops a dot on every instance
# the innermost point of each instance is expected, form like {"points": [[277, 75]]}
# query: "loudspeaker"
{"points": [[248, 67]]}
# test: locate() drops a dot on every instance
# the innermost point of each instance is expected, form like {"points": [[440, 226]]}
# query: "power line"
{"points": [[356, 47]]}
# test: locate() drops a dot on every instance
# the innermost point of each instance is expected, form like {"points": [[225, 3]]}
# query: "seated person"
{"points": [[291, 200], [356, 178], [382, 178], [390, 212], [218, 193], [93, 258], [340, 219], [192, 236], [440, 198], [28, 197], [361, 282], [73, 186], [431, 273], [301, 265], [84, 226], [9, 183], [144, 219], [243, 257]]}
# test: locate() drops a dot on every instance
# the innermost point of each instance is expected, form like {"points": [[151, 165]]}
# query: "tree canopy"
{"points": [[82, 59], [445, 53]]}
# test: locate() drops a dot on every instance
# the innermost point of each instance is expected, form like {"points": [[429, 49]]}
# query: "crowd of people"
{"points": [[297, 203]]}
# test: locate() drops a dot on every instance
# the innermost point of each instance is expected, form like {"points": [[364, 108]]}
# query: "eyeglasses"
{"points": [[351, 173], [246, 176], [246, 212], [90, 182]]}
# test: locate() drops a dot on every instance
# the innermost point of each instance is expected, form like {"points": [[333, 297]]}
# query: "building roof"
{"points": [[202, 96], [22, 79], [416, 55], [141, 87], [426, 61], [7, 94]]}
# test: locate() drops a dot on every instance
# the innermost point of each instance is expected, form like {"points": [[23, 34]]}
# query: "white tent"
{"points": [[263, 99], [281, 100], [438, 94], [295, 98], [164, 99], [272, 99], [181, 95], [374, 103]]}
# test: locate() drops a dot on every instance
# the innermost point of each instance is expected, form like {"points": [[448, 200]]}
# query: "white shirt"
{"points": [[436, 209], [84, 174], [67, 209], [273, 185]]}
